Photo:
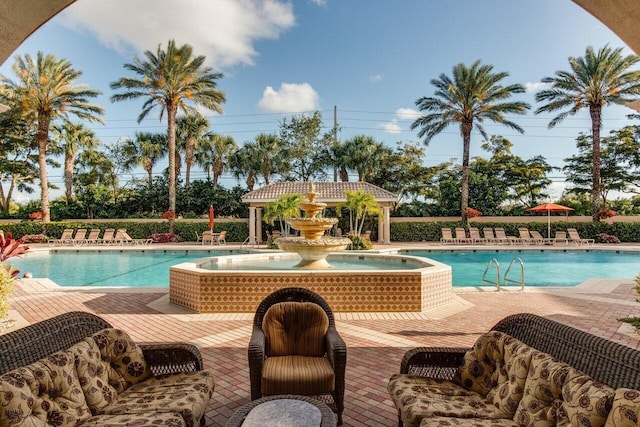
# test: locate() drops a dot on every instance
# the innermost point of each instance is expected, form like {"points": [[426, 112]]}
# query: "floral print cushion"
{"points": [[586, 402], [625, 409], [511, 377], [123, 356], [46, 392], [478, 371], [149, 419], [466, 422], [542, 397], [93, 373], [186, 393]]}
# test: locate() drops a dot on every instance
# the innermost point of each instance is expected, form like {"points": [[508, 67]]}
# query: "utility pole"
{"points": [[335, 140]]}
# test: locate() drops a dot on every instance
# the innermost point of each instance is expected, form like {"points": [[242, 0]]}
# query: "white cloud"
{"points": [[376, 78], [222, 30], [536, 86], [392, 127], [290, 98], [407, 114], [319, 2]]}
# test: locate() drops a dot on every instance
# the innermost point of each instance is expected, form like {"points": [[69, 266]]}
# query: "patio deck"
{"points": [[375, 342]]}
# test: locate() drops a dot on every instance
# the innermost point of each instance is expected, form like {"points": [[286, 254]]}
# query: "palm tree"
{"points": [[72, 138], [364, 154], [214, 155], [245, 162], [267, 151], [472, 96], [191, 132], [46, 90], [145, 150], [595, 80], [172, 79], [359, 204], [287, 206]]}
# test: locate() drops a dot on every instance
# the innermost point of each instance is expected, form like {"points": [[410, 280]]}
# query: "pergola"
{"points": [[331, 193]]}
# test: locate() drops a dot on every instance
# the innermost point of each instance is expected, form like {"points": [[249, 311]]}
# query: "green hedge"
{"points": [[431, 231], [236, 231]]}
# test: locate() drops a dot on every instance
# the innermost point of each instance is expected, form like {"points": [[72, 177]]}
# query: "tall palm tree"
{"points": [[145, 150], [363, 154], [246, 163], [474, 94], [172, 79], [214, 155], [46, 90], [71, 139], [595, 80], [191, 132], [267, 151]]}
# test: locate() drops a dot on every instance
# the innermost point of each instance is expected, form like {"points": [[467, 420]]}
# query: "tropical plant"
{"points": [[9, 248], [358, 243], [365, 155], [45, 91], [215, 155], [145, 150], [287, 206], [71, 138], [192, 131], [172, 79], [598, 79], [359, 204], [473, 95]]}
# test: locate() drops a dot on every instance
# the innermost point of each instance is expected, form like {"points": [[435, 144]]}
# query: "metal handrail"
{"points": [[486, 270], [521, 281]]}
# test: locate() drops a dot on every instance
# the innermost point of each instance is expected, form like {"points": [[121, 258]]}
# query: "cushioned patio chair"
{"points": [[296, 349]]}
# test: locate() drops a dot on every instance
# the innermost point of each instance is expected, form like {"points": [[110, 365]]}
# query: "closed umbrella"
{"points": [[211, 219], [548, 208]]}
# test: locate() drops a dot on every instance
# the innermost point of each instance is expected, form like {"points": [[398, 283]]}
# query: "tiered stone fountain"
{"points": [[313, 247]]}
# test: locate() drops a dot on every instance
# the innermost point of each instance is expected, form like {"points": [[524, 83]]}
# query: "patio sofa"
{"points": [[77, 370], [528, 370]]}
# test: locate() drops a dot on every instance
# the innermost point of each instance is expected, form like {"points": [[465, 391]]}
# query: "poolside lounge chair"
{"points": [[126, 239], [108, 237], [539, 239], [561, 237], [501, 237], [94, 236], [528, 238], [80, 238], [474, 236], [461, 235], [574, 237], [447, 236], [489, 237], [65, 239]]}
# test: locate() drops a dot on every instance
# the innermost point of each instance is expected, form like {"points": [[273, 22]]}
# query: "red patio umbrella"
{"points": [[211, 218], [548, 208]]}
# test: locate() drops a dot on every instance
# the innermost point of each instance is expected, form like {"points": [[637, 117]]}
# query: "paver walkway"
{"points": [[375, 342]]}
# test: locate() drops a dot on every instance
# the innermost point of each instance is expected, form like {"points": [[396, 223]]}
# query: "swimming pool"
{"points": [[541, 268], [108, 267]]}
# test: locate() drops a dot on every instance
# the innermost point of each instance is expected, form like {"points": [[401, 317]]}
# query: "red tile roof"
{"points": [[328, 192]]}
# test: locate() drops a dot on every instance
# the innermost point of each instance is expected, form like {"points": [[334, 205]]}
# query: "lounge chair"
{"points": [[119, 238], [94, 236], [474, 236], [447, 236], [501, 237], [126, 239], [574, 237], [528, 238], [80, 238], [108, 237], [65, 239], [461, 236], [535, 235], [489, 237], [561, 237]]}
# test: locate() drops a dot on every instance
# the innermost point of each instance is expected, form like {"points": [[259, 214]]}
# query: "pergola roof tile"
{"points": [[328, 192]]}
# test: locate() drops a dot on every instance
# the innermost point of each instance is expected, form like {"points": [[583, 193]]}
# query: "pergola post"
{"points": [[258, 226], [387, 225], [252, 224]]}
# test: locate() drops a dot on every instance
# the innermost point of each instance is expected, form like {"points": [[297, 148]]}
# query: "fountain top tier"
{"points": [[312, 227]]}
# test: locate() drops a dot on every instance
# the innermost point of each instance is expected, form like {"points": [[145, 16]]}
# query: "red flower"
{"points": [[168, 215], [606, 213], [36, 215], [472, 213]]}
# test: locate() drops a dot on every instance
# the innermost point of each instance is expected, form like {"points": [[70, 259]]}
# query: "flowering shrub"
{"points": [[36, 215], [607, 213], [164, 238], [34, 238], [168, 215], [607, 238], [472, 213]]}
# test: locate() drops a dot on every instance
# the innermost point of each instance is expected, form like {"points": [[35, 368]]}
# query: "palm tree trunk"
{"points": [[68, 175], [171, 133], [188, 159], [465, 128], [42, 137], [595, 111]]}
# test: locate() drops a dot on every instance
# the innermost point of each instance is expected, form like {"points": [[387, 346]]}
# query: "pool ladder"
{"points": [[506, 280]]}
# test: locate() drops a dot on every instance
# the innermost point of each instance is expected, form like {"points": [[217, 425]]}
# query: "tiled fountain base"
{"points": [[224, 291]]}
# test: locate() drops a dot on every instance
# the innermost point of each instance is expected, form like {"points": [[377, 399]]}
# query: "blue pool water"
{"points": [[548, 268], [108, 268]]}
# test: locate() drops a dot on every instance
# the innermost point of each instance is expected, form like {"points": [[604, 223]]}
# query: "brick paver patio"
{"points": [[375, 342]]}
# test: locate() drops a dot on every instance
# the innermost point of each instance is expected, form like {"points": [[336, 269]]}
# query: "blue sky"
{"points": [[371, 58]]}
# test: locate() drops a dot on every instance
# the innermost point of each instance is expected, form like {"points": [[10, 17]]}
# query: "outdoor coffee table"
{"points": [[283, 411]]}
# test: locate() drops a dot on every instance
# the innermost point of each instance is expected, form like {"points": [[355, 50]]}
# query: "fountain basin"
{"points": [[420, 285], [313, 251]]}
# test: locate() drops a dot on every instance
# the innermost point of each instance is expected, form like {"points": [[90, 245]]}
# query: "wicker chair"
{"points": [[334, 348], [611, 363]]}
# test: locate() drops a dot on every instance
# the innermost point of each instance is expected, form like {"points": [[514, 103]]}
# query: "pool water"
{"points": [[548, 268], [107, 268]]}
